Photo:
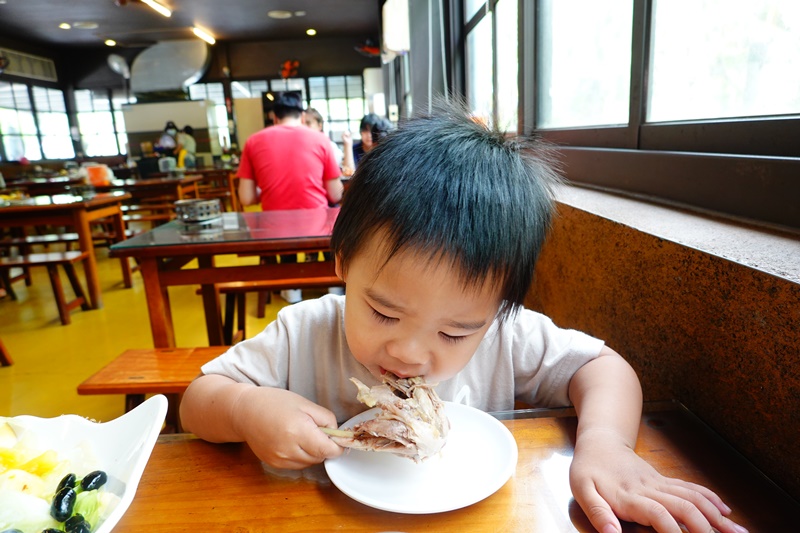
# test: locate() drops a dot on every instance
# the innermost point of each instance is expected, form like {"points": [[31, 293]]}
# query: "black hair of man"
{"points": [[188, 130], [446, 187], [288, 104], [368, 121]]}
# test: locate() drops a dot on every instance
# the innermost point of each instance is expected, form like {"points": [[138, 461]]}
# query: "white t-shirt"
{"points": [[305, 351]]}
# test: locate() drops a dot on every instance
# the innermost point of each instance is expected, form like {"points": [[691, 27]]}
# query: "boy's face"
{"points": [[411, 316]]}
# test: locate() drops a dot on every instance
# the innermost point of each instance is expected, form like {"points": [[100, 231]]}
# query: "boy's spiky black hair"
{"points": [[446, 186]]}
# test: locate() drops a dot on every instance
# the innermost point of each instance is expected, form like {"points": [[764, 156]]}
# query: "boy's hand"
{"points": [[282, 428], [609, 480]]}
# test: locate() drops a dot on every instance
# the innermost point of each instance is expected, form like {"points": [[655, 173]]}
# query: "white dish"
{"points": [[120, 447], [478, 459]]}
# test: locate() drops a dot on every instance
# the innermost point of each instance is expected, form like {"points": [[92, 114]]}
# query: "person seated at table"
{"points": [[186, 147], [372, 128], [166, 143], [437, 240], [313, 119]]}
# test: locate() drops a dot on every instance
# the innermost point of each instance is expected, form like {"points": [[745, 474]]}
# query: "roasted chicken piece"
{"points": [[411, 422]]}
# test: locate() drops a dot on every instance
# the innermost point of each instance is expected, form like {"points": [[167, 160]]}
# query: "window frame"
{"points": [[743, 168], [746, 168]]}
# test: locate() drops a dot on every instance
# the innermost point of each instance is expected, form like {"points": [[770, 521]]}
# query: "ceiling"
{"points": [[133, 24]]}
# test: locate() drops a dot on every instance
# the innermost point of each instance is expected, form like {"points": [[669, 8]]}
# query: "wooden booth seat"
{"points": [[50, 260]]}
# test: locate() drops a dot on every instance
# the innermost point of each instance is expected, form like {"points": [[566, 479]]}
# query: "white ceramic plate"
{"points": [[120, 447], [478, 459]]}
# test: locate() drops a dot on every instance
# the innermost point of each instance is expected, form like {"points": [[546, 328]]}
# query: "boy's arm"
{"points": [[609, 480], [281, 427]]}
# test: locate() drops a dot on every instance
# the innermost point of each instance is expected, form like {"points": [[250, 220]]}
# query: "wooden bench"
{"points": [[51, 260], [138, 372], [235, 299]]}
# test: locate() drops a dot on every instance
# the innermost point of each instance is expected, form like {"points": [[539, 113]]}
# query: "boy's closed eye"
{"points": [[384, 319], [380, 317]]}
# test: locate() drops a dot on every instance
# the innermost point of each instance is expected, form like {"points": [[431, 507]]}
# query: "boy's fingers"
{"points": [[598, 511]]}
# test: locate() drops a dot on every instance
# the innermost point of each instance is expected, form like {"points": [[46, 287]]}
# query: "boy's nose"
{"points": [[407, 351]]}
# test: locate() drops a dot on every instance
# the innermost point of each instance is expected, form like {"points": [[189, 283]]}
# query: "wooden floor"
{"points": [[50, 360]]}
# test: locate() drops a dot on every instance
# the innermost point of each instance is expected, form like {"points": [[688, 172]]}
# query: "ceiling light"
{"points": [[110, 42], [85, 25], [65, 25], [207, 37], [299, 13], [279, 14], [311, 31], [160, 8]]}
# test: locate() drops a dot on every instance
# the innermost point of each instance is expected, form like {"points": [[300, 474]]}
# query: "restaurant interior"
{"points": [[677, 237]]}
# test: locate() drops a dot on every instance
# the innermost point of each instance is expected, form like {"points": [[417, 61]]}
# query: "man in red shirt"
{"points": [[292, 165], [289, 166]]}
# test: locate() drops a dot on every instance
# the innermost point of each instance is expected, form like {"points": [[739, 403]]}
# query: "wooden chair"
{"points": [[51, 260], [220, 184], [235, 299]]}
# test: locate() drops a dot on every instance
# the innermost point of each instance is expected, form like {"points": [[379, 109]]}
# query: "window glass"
{"points": [[724, 58], [53, 123], [507, 65], [316, 88], [471, 7], [95, 123], [584, 62], [215, 93], [479, 69], [337, 87]]}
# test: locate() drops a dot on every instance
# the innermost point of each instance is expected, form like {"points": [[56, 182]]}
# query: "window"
{"points": [[51, 114], [340, 101], [491, 61], [693, 102], [480, 88], [507, 66], [215, 93], [585, 63], [743, 60], [17, 123], [101, 126]]}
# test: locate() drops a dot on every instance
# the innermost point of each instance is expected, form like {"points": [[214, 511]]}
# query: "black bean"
{"points": [[72, 521], [68, 481], [80, 527], [63, 504], [94, 480]]}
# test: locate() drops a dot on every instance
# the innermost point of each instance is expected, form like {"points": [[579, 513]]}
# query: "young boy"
{"points": [[437, 240]]}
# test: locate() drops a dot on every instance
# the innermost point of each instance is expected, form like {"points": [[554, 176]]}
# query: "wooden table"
{"points": [[78, 212], [172, 189], [193, 485], [136, 373], [163, 252]]}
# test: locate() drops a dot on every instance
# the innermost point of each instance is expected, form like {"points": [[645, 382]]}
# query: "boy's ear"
{"points": [[338, 268]]}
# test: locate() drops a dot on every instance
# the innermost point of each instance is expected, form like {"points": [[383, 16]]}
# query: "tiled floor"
{"points": [[50, 360]]}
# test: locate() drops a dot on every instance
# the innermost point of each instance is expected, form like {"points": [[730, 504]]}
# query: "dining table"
{"points": [[193, 485], [173, 188], [79, 213], [166, 256]]}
